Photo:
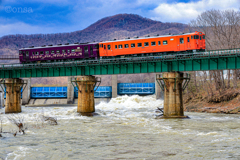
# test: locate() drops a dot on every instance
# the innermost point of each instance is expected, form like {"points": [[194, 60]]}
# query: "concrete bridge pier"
{"points": [[70, 91], [173, 100], [86, 104], [13, 95], [158, 92], [26, 92], [114, 86]]}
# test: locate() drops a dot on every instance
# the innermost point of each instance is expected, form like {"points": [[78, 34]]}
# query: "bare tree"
{"points": [[222, 30], [18, 121]]}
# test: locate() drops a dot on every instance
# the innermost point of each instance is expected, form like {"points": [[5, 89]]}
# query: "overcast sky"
{"points": [[58, 16]]}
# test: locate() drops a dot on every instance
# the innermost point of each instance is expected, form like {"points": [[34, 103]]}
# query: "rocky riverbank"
{"points": [[228, 103]]}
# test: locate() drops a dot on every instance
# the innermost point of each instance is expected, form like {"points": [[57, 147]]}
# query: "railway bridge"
{"points": [[172, 81]]}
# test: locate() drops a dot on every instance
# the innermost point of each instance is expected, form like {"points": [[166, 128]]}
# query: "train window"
{"points": [[41, 52], [68, 50], [153, 43], [58, 51], [188, 39], [115, 46], [96, 46], [191, 37], [159, 43], [203, 37], [63, 51], [32, 53], [126, 45], [120, 46], [200, 37], [196, 36], [20, 52], [146, 44], [133, 45], [46, 52], [139, 44], [86, 49], [164, 42], [181, 40], [109, 47], [52, 52], [104, 46], [72, 50], [37, 53]]}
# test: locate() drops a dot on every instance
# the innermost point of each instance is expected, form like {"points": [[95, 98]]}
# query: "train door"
{"points": [[91, 50], [106, 49], [27, 56], [200, 42], [24, 56], [109, 49], [181, 44], [188, 43], [104, 46], [85, 52]]}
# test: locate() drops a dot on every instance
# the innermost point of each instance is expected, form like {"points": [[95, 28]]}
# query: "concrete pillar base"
{"points": [[13, 95], [86, 104], [173, 117], [88, 114], [173, 101]]}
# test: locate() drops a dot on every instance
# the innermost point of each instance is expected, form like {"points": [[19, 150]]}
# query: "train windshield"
{"points": [[196, 36]]}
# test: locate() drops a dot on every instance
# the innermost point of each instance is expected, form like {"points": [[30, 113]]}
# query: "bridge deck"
{"points": [[212, 60]]}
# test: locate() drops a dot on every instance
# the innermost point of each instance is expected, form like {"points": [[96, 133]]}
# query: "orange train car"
{"points": [[154, 45]]}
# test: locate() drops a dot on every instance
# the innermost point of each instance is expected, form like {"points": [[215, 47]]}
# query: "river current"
{"points": [[126, 128]]}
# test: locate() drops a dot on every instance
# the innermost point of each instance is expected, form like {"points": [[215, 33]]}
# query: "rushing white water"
{"points": [[126, 128]]}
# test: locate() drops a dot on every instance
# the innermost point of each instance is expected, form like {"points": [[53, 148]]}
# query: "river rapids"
{"points": [[125, 128]]}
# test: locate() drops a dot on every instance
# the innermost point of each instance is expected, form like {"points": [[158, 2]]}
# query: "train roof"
{"points": [[60, 45], [146, 37]]}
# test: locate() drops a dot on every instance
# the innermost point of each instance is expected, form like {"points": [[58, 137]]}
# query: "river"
{"points": [[126, 128]]}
